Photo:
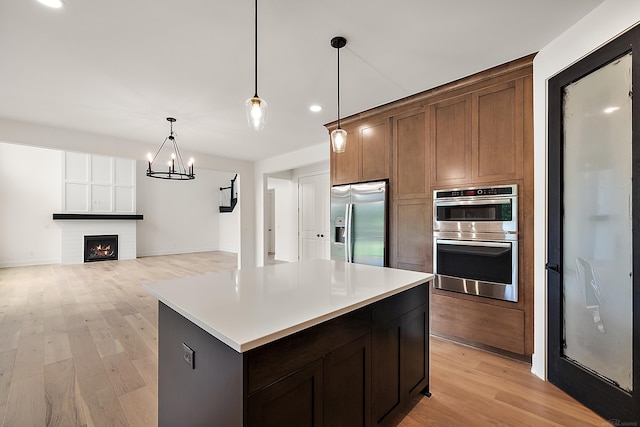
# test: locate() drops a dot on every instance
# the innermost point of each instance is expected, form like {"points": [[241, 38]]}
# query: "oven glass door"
{"points": [[494, 215], [484, 268], [476, 210]]}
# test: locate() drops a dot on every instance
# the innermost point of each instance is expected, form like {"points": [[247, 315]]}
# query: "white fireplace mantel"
{"points": [[73, 232], [98, 198]]}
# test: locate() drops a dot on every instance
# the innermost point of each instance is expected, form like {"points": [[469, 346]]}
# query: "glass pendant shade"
{"points": [[338, 136], [256, 112], [339, 140]]}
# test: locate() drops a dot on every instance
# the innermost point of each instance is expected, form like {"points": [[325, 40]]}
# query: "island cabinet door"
{"points": [[295, 400], [347, 385], [415, 352], [386, 394], [400, 351]]}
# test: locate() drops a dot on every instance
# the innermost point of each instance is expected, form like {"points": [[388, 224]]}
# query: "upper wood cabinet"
{"points": [[345, 167], [366, 157], [478, 137], [451, 141], [498, 129], [411, 154]]}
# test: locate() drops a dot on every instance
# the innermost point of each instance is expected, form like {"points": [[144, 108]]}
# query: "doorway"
{"points": [[593, 297], [270, 214]]}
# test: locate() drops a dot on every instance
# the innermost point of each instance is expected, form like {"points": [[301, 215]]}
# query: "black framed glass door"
{"points": [[593, 298]]}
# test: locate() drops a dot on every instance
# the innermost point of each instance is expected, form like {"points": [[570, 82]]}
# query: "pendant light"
{"points": [[338, 136], [173, 160], [256, 108]]}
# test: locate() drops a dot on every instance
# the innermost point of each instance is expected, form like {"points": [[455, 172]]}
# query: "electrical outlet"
{"points": [[188, 356]]}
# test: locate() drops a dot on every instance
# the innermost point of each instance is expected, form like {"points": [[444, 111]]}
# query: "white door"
{"points": [[313, 216], [271, 218]]}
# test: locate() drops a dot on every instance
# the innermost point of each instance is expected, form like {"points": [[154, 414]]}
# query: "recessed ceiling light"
{"points": [[56, 4], [315, 108], [610, 110]]}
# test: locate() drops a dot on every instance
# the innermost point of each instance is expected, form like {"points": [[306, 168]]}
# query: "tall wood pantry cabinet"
{"points": [[472, 132], [410, 244]]}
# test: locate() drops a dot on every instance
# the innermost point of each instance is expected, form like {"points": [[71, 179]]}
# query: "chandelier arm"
{"points": [[181, 168], [159, 149]]}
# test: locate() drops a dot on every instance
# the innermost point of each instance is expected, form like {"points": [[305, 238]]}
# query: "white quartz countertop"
{"points": [[251, 307]]}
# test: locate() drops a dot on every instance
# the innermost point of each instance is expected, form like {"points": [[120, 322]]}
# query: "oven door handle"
{"points": [[488, 249], [506, 201], [474, 243]]}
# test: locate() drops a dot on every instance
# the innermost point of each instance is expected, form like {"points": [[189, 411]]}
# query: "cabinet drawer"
{"points": [[272, 361], [478, 323], [397, 305]]}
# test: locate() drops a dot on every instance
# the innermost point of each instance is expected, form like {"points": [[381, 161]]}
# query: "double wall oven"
{"points": [[475, 241]]}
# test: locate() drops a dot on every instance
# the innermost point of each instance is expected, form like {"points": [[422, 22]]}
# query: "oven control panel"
{"points": [[509, 190]]}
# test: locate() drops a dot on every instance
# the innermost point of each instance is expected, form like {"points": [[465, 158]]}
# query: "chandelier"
{"points": [[175, 160]]}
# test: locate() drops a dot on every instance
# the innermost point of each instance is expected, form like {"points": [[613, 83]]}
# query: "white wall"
{"points": [[296, 159], [30, 134], [229, 223], [180, 216], [30, 191], [604, 23], [285, 219]]}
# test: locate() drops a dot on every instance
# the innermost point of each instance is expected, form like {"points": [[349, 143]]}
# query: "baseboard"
{"points": [[28, 263], [175, 252]]}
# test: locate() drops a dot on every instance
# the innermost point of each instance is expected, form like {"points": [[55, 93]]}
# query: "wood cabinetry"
{"points": [[411, 245], [498, 132], [478, 137], [361, 383], [450, 138], [411, 206], [347, 385], [410, 155], [366, 157], [473, 132], [294, 400], [345, 166], [353, 370], [400, 333], [470, 321], [333, 390]]}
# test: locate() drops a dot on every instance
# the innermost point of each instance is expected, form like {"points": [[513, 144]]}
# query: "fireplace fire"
{"points": [[100, 248]]}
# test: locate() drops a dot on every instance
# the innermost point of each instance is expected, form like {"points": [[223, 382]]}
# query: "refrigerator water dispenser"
{"points": [[340, 230]]}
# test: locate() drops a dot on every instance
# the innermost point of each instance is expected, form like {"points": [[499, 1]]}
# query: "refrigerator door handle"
{"points": [[349, 231], [346, 232]]}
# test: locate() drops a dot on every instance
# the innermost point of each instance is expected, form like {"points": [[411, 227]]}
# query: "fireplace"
{"points": [[100, 248]]}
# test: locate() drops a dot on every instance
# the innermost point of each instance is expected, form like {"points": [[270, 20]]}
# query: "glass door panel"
{"points": [[597, 235]]}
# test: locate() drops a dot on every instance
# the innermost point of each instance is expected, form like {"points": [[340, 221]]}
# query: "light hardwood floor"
{"points": [[78, 347]]}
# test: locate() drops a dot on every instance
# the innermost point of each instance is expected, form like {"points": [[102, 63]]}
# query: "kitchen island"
{"points": [[314, 342]]}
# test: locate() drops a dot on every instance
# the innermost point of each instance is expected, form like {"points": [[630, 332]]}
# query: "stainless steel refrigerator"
{"points": [[359, 223]]}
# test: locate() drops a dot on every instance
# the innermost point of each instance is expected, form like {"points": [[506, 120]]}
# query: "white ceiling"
{"points": [[120, 67]]}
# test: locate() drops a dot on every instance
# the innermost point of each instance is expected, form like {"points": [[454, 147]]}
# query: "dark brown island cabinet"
{"points": [[357, 369]]}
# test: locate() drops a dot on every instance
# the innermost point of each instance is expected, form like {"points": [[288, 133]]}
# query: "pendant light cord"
{"points": [[338, 88], [256, 49]]}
